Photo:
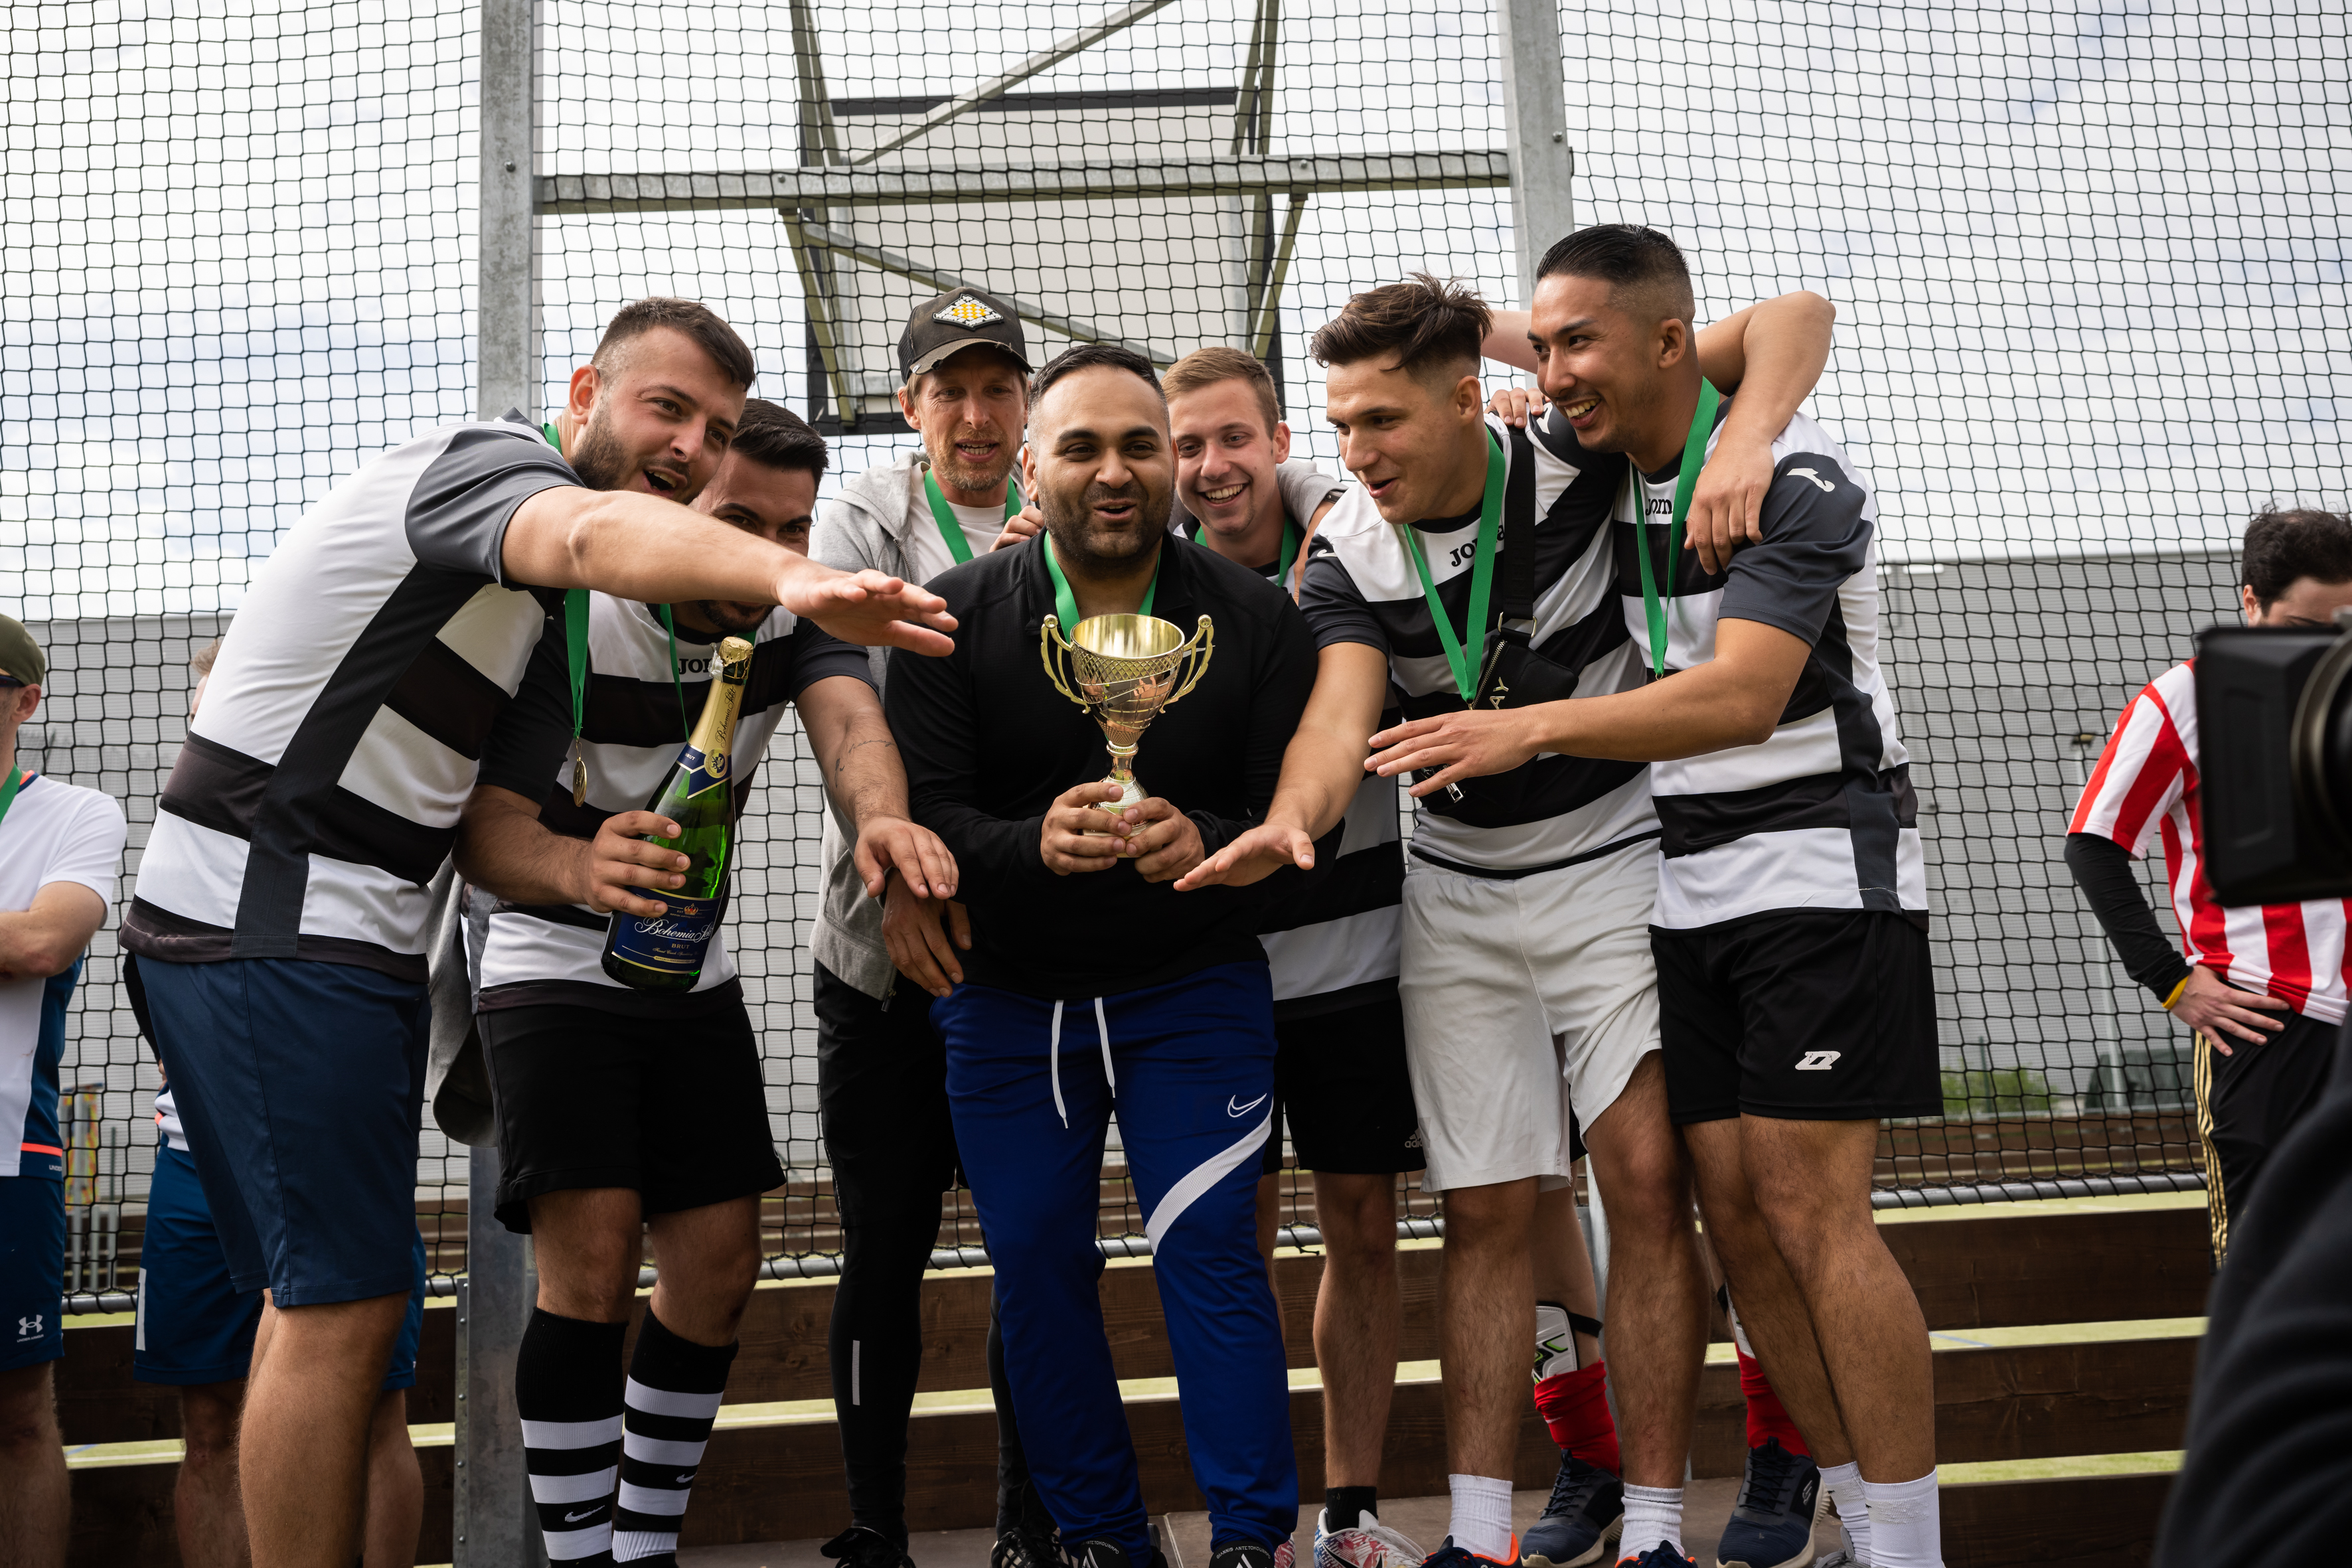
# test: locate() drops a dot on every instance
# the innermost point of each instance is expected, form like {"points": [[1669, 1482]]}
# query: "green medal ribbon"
{"points": [[951, 529], [575, 643], [17, 778], [1289, 549], [1465, 660], [1694, 459], [1066, 604]]}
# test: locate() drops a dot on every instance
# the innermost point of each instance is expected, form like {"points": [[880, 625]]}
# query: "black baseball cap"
{"points": [[949, 323]]}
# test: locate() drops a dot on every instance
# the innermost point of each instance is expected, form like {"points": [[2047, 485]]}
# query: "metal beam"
{"points": [[816, 295], [1254, 111], [820, 143], [998, 183], [1269, 305], [494, 1525], [505, 303], [1535, 118], [934, 277], [1045, 59]]}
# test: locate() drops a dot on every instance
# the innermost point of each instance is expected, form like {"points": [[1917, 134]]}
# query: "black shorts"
{"points": [[677, 1109], [2248, 1102], [882, 1098], [1805, 1015], [1341, 1080]]}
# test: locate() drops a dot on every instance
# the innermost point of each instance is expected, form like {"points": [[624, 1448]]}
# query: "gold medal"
{"points": [[579, 777]]}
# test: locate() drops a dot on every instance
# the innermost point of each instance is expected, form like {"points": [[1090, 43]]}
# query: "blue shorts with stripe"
{"points": [[194, 1325], [32, 1270]]}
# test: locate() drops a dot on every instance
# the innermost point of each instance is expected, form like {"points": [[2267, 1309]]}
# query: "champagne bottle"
{"points": [[665, 952]]}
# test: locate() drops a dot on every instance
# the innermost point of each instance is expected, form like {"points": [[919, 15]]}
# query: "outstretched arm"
{"points": [[642, 547], [1772, 353], [1321, 769]]}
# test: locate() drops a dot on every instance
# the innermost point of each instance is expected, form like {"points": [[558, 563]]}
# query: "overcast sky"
{"points": [[2088, 261]]}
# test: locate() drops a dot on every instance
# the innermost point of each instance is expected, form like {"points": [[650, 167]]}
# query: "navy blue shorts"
{"points": [[301, 1087], [193, 1325], [32, 1271]]}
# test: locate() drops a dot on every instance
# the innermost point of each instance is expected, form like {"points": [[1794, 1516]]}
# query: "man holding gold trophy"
{"points": [[1091, 988]]}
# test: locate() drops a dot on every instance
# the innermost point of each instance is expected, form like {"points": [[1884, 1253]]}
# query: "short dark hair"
{"points": [[1426, 323], [775, 437], [695, 319], [1083, 356], [1629, 257], [2285, 547]]}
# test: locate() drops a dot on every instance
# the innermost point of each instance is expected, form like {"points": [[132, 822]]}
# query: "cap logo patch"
{"points": [[968, 311]]}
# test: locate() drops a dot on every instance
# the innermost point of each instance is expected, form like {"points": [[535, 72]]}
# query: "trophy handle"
{"points": [[1051, 647], [1197, 652]]}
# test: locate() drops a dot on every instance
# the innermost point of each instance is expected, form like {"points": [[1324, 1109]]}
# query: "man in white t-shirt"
{"points": [[881, 1068], [60, 847]]}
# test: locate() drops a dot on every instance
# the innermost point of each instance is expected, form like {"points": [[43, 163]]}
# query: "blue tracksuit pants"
{"points": [[1188, 1067]]}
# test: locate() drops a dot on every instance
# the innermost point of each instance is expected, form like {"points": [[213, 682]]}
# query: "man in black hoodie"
{"points": [[1166, 1000]]}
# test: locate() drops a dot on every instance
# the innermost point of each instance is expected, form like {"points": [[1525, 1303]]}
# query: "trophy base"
{"points": [[1130, 795]]}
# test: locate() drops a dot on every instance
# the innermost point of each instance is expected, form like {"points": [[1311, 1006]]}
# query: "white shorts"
{"points": [[1522, 1000]]}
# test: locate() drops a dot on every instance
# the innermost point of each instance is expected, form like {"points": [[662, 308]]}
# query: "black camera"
{"points": [[2274, 712]]}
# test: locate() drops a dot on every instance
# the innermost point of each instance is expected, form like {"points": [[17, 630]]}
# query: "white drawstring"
{"points": [[1054, 1065], [1054, 1056], [1102, 1027]]}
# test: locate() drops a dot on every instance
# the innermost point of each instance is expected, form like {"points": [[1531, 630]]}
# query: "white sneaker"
{"points": [[1368, 1544]]}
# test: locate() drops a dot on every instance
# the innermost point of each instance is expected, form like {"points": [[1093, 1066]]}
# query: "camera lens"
{"points": [[2319, 748]]}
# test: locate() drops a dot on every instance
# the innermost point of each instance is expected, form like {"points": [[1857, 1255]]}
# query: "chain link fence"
{"points": [[2088, 262]]}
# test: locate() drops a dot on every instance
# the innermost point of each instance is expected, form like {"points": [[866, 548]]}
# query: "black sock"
{"points": [[875, 1345], [1344, 1507], [674, 1391], [567, 1393]]}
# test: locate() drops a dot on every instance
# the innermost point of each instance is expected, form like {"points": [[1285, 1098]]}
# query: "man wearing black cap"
{"points": [[881, 1068]]}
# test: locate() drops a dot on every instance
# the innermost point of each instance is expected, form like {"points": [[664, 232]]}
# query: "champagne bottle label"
{"points": [[671, 944], [703, 773]]}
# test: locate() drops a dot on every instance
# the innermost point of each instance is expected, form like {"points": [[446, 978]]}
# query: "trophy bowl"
{"points": [[1124, 670]]}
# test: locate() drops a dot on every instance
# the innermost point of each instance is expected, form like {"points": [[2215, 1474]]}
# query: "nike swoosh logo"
{"points": [[684, 1479], [584, 1513], [1233, 1107]]}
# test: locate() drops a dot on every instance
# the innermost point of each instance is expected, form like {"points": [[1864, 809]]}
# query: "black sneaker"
{"points": [[1779, 1501], [861, 1546], [1586, 1513], [1104, 1553], [1024, 1547], [1250, 1555]]}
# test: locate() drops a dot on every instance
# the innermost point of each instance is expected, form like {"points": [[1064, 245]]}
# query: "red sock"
{"points": [[1765, 1415], [1575, 1405]]}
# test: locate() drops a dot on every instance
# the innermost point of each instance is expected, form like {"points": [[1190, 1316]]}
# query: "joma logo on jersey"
{"points": [[1661, 506], [1819, 1061]]}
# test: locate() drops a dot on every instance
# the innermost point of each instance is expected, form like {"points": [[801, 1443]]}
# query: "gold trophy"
{"points": [[1124, 669]]}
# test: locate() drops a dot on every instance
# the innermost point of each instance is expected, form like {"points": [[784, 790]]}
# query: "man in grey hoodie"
{"points": [[881, 1067]]}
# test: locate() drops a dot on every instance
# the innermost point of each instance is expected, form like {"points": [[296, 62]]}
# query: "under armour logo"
{"points": [[1826, 486], [29, 1328], [1817, 1061], [1235, 1108]]}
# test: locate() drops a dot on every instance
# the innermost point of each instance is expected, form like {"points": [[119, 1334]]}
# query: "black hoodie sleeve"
{"points": [[934, 716], [2102, 869], [1285, 676]]}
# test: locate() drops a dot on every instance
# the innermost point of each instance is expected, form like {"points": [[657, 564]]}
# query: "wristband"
{"points": [[2177, 990]]}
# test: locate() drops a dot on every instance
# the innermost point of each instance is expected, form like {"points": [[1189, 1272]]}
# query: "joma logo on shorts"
{"points": [[1819, 1061]]}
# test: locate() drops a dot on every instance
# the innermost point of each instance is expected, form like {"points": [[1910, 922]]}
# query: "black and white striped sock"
{"points": [[674, 1387], [567, 1393]]}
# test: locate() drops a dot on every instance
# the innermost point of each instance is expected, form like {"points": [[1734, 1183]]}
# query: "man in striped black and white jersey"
{"points": [[594, 1082], [1791, 934], [1527, 985], [279, 922], [2263, 985]]}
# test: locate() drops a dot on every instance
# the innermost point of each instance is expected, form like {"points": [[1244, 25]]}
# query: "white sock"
{"points": [[1653, 1518], [1907, 1527], [1845, 1484], [1481, 1515]]}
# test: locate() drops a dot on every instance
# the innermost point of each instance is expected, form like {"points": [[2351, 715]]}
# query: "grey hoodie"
{"points": [[865, 526]]}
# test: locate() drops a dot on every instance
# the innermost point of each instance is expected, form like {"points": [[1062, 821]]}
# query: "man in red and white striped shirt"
{"points": [[2263, 985]]}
